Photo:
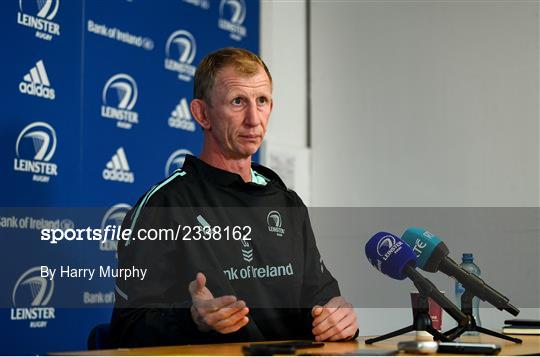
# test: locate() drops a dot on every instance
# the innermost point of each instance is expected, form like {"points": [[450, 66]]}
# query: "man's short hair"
{"points": [[243, 61]]}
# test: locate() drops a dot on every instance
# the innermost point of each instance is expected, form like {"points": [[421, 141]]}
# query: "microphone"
{"points": [[432, 256], [391, 256]]}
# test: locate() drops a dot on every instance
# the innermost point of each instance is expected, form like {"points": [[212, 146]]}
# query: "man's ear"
{"points": [[198, 109]]}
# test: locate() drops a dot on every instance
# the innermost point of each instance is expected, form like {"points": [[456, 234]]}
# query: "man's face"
{"points": [[238, 111]]}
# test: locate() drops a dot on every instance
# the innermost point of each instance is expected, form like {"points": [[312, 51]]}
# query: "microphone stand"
{"points": [[421, 322], [466, 308]]}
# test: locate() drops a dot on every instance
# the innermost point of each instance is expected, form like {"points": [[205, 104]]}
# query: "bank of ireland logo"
{"points": [[232, 14], [176, 161], [117, 169], [273, 219], [35, 147], [181, 117], [180, 52], [112, 218], [203, 4], [39, 15], [36, 82], [30, 296], [119, 96]]}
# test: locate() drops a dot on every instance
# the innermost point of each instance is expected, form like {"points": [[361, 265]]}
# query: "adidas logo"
{"points": [[181, 118], [118, 168], [36, 82]]}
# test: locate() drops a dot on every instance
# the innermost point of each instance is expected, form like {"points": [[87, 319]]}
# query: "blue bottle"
{"points": [[468, 264]]}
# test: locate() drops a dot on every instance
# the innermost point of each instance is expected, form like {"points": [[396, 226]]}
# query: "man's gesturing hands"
{"points": [[334, 321], [224, 314]]}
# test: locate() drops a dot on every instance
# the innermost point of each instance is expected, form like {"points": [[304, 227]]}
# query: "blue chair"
{"points": [[100, 337]]}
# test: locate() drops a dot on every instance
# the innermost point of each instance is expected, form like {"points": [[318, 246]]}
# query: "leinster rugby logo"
{"points": [[232, 14], [119, 97], [273, 219], [39, 15], [35, 147], [31, 294], [180, 52], [385, 245]]}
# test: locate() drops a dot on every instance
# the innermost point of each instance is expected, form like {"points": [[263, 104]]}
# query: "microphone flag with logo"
{"points": [[428, 248], [385, 252]]}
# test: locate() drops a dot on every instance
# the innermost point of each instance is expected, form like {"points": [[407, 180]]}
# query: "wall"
{"points": [[417, 104], [283, 48]]}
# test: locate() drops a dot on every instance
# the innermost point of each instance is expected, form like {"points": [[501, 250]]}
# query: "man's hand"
{"points": [[334, 321], [225, 314]]}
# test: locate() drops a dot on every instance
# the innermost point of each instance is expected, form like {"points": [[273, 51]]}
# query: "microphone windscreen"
{"points": [[427, 247], [389, 254]]}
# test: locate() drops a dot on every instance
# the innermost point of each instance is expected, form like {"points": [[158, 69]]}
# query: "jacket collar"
{"points": [[226, 178]]}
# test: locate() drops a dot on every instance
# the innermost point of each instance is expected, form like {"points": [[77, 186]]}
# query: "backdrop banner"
{"points": [[95, 112]]}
